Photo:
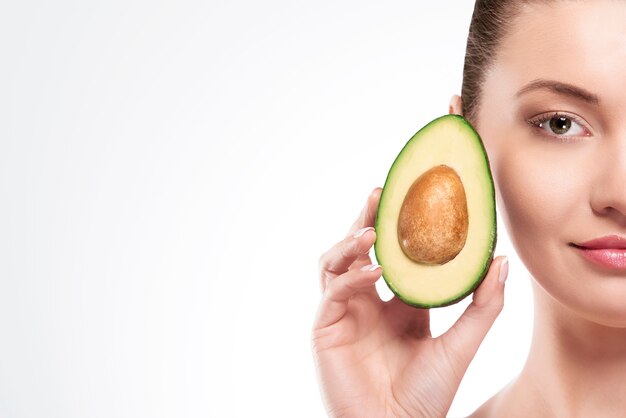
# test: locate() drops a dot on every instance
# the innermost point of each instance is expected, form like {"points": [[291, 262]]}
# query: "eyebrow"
{"points": [[558, 87]]}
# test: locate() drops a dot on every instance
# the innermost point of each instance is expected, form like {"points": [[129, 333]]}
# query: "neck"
{"points": [[575, 367]]}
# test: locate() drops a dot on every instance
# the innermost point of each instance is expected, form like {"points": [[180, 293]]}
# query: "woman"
{"points": [[544, 86]]}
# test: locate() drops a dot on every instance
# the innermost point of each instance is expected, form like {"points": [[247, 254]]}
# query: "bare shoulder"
{"points": [[486, 410], [494, 406]]}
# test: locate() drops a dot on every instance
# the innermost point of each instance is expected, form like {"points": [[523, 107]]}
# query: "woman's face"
{"points": [[562, 181]]}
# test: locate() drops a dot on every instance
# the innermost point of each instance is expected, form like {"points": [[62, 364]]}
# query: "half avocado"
{"points": [[436, 220]]}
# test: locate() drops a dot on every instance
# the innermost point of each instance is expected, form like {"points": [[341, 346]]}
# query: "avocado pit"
{"points": [[433, 219]]}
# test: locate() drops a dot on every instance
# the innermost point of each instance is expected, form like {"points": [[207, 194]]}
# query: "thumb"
{"points": [[465, 336]]}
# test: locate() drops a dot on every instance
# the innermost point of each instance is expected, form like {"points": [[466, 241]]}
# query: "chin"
{"points": [[600, 300], [585, 291], [606, 308]]}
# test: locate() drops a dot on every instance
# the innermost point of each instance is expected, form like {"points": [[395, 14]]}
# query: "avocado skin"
{"points": [[493, 237]]}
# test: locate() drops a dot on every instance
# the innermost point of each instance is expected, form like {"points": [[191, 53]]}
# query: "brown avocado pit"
{"points": [[433, 220]]}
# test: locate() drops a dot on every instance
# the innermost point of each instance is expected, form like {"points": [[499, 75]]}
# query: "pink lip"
{"points": [[608, 251], [609, 241]]}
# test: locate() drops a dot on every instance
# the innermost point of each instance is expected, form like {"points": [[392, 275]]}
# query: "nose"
{"points": [[608, 197]]}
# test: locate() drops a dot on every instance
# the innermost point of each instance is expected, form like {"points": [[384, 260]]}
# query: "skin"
{"points": [[377, 359], [555, 191]]}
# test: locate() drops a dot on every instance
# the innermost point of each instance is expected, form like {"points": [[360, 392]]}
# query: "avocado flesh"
{"points": [[449, 140]]}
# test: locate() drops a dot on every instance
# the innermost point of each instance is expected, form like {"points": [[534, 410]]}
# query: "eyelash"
{"points": [[536, 121]]}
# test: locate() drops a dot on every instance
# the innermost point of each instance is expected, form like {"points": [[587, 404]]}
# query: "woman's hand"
{"points": [[378, 359]]}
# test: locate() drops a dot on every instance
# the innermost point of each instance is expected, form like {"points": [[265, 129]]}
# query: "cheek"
{"points": [[545, 205], [539, 196], [536, 194]]}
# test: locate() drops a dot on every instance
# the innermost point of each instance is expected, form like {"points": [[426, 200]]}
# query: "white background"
{"points": [[171, 171]]}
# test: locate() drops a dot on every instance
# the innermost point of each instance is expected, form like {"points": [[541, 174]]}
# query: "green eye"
{"points": [[560, 125]]}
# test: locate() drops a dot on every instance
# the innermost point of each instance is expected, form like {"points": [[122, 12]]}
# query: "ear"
{"points": [[456, 107]]}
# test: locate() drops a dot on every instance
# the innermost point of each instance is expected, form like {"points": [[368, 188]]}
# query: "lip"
{"points": [[607, 242], [608, 251]]}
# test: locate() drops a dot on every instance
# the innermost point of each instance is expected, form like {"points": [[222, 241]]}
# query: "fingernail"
{"points": [[360, 232], [370, 267], [504, 270]]}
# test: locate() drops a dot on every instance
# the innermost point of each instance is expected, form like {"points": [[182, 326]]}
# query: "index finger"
{"points": [[368, 214]]}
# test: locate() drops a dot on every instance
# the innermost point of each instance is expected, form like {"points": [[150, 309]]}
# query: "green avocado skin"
{"points": [[493, 237]]}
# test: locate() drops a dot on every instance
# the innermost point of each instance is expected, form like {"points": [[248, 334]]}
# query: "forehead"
{"points": [[580, 42]]}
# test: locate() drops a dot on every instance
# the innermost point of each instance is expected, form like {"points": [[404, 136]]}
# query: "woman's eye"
{"points": [[560, 125]]}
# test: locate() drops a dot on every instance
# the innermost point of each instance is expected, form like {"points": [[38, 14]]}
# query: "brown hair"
{"points": [[488, 26]]}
